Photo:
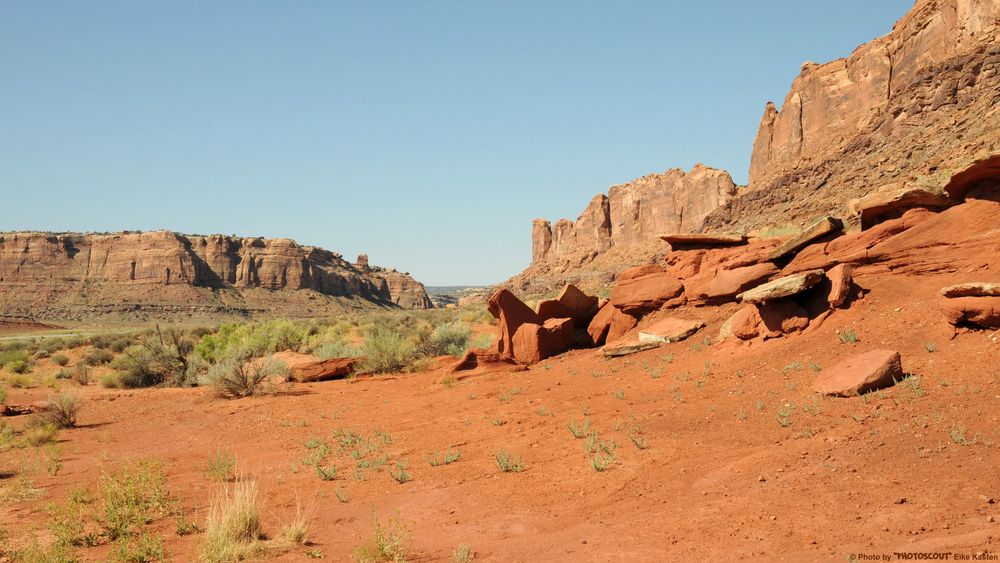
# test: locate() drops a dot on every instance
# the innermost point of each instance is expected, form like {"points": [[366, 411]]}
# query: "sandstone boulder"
{"points": [[841, 282], [645, 288], [511, 313], [817, 230], [670, 329], [610, 324], [552, 309], [860, 373], [767, 320], [782, 287], [580, 306], [972, 289], [891, 203], [724, 284], [677, 240], [625, 348], [308, 368], [981, 311], [481, 357], [533, 343]]}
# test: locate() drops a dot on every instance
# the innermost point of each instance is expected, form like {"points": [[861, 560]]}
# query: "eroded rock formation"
{"points": [[45, 270], [912, 107], [635, 212]]}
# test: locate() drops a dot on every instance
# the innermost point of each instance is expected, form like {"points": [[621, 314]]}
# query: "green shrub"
{"points": [[336, 349], [243, 375], [98, 357], [60, 359], [259, 338], [81, 374], [39, 432], [131, 497], [386, 351], [19, 366], [159, 358], [20, 381], [62, 409], [451, 339], [388, 543], [111, 381]]}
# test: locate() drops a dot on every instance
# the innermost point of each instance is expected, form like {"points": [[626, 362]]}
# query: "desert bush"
{"points": [[39, 432], [111, 381], [232, 528], [19, 367], [259, 338], [243, 375], [20, 381], [98, 357], [62, 409], [385, 351], [451, 339], [60, 359], [388, 543], [159, 357], [336, 349], [3, 394], [220, 467], [81, 374]]}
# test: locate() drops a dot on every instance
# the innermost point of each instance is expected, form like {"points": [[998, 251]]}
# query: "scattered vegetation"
{"points": [[241, 375], [232, 528], [848, 336], [446, 457], [221, 466], [62, 409], [390, 542], [507, 462]]}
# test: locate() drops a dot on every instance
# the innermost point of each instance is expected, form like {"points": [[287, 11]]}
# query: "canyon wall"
{"points": [[635, 213], [914, 106], [120, 267]]}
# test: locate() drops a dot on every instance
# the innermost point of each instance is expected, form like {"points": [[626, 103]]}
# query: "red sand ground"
{"points": [[720, 479]]}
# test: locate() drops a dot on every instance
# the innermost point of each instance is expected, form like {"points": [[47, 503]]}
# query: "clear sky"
{"points": [[427, 134]]}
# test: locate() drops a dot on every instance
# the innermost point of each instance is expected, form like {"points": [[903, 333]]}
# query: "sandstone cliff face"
{"points": [[36, 267], [913, 107], [635, 213], [832, 102]]}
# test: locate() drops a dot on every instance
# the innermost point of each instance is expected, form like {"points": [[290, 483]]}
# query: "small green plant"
{"points": [[784, 414], [930, 346], [507, 462], [315, 553], [579, 429], [60, 359], [620, 395], [341, 496], [497, 421], [449, 381], [741, 414], [19, 367], [814, 366], [39, 432], [508, 394], [848, 336], [3, 394], [388, 543], [957, 433], [446, 457], [221, 466], [131, 497], [638, 439], [399, 472]]}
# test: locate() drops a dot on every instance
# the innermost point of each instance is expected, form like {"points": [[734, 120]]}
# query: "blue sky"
{"points": [[427, 134]]}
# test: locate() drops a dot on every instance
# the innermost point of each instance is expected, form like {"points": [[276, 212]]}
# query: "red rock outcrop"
{"points": [[168, 270], [829, 102], [860, 374], [635, 212], [912, 107]]}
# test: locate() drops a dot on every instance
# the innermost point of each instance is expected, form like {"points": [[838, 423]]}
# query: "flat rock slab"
{"points": [[981, 311], [308, 368], [626, 348], [670, 330], [782, 287], [703, 239], [972, 289], [861, 373], [820, 228], [870, 207]]}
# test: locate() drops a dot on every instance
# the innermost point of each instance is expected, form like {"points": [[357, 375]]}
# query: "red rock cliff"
{"points": [[33, 263], [635, 213]]}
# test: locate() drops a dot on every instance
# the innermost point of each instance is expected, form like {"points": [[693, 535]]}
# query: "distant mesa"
{"points": [[162, 274]]}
